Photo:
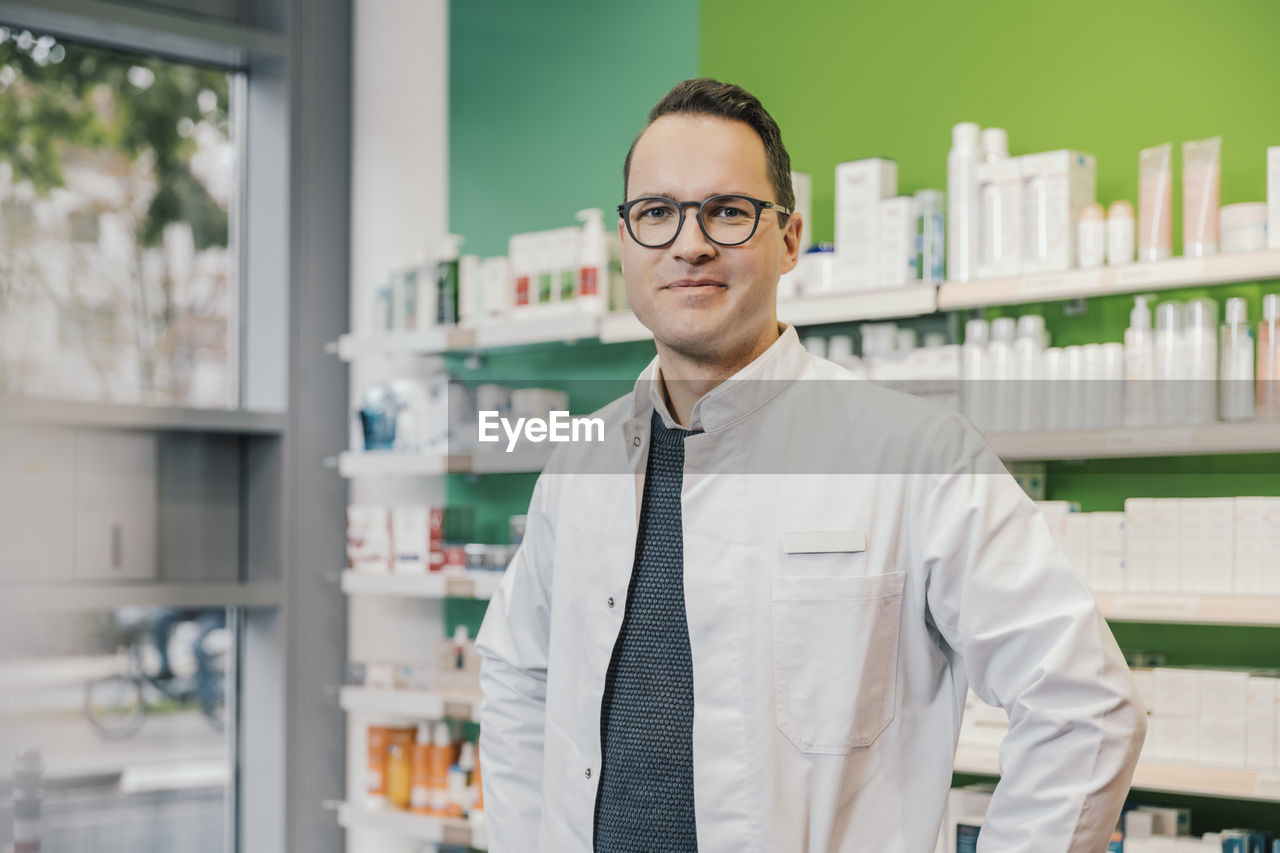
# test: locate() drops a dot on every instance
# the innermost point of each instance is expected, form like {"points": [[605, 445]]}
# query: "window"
{"points": [[131, 757], [119, 178]]}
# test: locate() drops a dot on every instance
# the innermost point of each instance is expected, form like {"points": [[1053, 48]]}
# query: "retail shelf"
{"points": [[35, 411], [552, 327], [83, 596], [1159, 776], [1208, 439], [1105, 281], [436, 339], [390, 463], [618, 327], [907, 300], [409, 704], [431, 830], [1190, 609], [472, 584]]}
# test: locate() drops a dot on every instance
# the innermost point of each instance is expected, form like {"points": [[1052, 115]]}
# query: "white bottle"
{"points": [[1091, 237], [1120, 233], [1139, 367], [1054, 394], [991, 250], [1028, 369], [998, 367], [470, 290], [1076, 387], [1235, 372], [962, 202], [592, 289], [1095, 399], [1170, 364], [1200, 341], [1113, 381], [977, 334]]}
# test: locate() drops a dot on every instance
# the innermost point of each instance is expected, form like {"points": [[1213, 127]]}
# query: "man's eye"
{"points": [[729, 214], [655, 213]]}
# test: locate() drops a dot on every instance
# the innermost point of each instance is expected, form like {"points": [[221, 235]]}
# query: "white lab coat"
{"points": [[828, 687]]}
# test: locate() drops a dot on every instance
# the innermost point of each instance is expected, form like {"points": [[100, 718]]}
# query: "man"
{"points": [[747, 621]]}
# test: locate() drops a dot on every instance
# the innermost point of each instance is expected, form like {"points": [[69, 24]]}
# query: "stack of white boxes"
{"points": [[875, 232], [1218, 717], [1187, 546]]}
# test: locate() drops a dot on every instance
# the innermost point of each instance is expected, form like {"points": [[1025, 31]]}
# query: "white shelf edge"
{"points": [[80, 596], [428, 341], [409, 704], [1195, 779], [74, 413], [1106, 281], [433, 830], [844, 306], [553, 327], [1208, 439], [1179, 609], [391, 463], [470, 584]]}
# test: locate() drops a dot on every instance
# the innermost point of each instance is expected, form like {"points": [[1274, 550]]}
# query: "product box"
{"points": [[1166, 548], [802, 186], [1056, 186], [1261, 726], [1206, 546], [1107, 570], [521, 269], [1222, 742], [1273, 197], [411, 537], [368, 538], [1000, 217], [1172, 739], [1139, 522], [896, 240], [860, 186], [1177, 692], [1256, 538], [1144, 684], [1078, 547]]}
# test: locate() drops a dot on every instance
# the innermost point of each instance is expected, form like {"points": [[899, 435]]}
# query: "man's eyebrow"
{"points": [[671, 197]]}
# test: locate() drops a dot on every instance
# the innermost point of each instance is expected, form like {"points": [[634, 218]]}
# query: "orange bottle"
{"points": [[399, 774], [423, 758], [475, 780], [441, 759], [375, 774]]}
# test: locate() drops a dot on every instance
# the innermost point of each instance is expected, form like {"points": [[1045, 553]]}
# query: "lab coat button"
{"points": [[588, 772], [611, 601], [635, 441]]}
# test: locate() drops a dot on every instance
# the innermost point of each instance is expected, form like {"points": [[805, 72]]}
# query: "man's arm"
{"points": [[513, 645], [1032, 641]]}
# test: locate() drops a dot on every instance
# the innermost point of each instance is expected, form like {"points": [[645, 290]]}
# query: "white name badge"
{"points": [[823, 541]]}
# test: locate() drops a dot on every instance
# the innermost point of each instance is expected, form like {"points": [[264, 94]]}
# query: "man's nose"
{"points": [[691, 245]]}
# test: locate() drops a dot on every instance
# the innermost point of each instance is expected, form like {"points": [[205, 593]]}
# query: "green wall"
{"points": [[544, 100]]}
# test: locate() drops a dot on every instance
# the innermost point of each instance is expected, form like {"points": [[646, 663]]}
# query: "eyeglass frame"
{"points": [[760, 205]]}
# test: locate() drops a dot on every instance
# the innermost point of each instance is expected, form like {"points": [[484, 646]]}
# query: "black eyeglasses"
{"points": [[726, 220]]}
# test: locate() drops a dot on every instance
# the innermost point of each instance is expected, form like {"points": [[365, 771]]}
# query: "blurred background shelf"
{"points": [[473, 584], [1207, 439], [409, 705], [1107, 281], [431, 830]]}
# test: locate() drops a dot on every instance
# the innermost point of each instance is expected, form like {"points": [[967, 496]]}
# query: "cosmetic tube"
{"points": [[1155, 203], [1201, 180]]}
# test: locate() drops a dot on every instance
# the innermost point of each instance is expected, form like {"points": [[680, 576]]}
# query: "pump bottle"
{"points": [[1235, 372], [1139, 369]]}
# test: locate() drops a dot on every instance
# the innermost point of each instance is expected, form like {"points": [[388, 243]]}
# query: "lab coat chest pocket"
{"points": [[835, 659]]}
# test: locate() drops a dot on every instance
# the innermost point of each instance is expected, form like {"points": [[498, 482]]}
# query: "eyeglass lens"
{"points": [[727, 219]]}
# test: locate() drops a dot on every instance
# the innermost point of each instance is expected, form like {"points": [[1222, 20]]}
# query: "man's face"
{"points": [[709, 303]]}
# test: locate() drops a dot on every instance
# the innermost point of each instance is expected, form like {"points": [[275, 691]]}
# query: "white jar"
{"points": [[1243, 227]]}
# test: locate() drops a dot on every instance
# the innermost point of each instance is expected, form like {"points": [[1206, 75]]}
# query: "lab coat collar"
{"points": [[735, 398]]}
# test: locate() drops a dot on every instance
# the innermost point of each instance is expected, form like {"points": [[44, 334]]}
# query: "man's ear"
{"points": [[791, 242]]}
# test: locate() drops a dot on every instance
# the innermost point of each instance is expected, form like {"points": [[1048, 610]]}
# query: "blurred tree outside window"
{"points": [[118, 177]]}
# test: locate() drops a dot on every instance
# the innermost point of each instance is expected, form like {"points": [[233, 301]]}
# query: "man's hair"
{"points": [[707, 97]]}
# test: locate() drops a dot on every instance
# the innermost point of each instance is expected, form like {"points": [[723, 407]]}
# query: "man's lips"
{"points": [[693, 283]]}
